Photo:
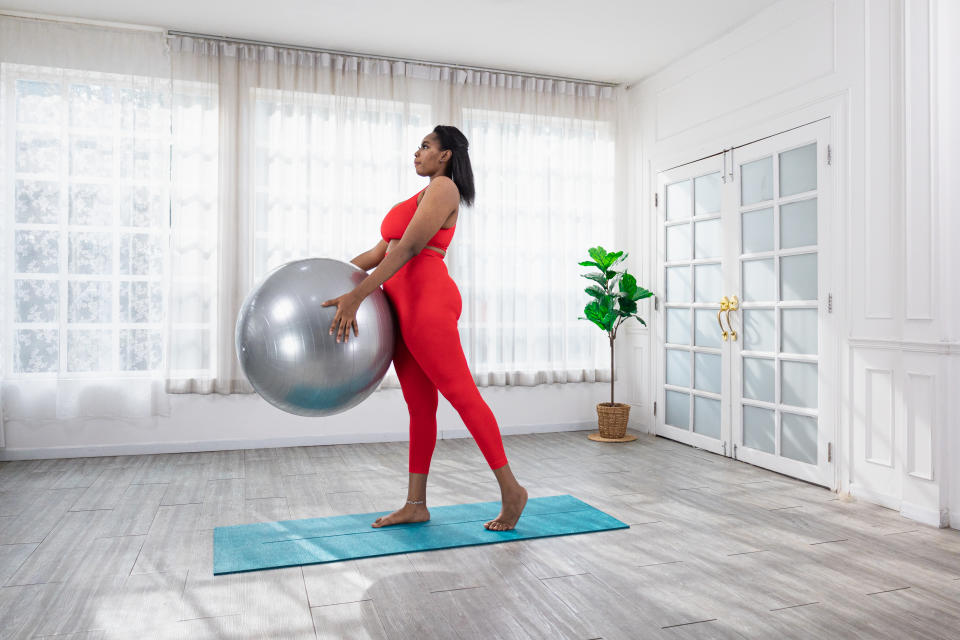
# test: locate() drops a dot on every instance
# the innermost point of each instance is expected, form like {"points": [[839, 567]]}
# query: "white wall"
{"points": [[867, 64], [240, 421]]}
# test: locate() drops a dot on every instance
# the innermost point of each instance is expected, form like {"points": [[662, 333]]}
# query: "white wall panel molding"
{"points": [[883, 172], [880, 418], [918, 230], [898, 400], [892, 344], [921, 408]]}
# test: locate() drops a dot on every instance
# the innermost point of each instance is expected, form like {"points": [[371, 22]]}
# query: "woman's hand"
{"points": [[346, 315]]}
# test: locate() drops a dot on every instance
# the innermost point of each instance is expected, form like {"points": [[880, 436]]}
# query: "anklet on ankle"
{"points": [[414, 501]]}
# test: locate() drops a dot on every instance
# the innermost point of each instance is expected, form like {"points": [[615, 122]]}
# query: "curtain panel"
{"points": [[155, 180]]}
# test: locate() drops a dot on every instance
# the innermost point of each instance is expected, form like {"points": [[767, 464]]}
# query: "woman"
{"points": [[428, 355]]}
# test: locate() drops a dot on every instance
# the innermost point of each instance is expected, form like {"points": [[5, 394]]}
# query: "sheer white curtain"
{"points": [[84, 173], [313, 149], [149, 182]]}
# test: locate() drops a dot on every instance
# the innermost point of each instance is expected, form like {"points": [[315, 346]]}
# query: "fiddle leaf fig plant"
{"points": [[611, 308]]}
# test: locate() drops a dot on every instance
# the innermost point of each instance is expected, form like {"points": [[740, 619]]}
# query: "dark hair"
{"points": [[458, 169]]}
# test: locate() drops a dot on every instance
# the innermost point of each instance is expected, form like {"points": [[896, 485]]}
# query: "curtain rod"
{"points": [[72, 20], [171, 33]]}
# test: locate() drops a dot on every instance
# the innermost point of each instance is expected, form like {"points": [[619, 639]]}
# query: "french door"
{"points": [[744, 304]]}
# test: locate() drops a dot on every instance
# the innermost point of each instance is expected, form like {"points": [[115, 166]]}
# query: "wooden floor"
{"points": [[121, 547]]}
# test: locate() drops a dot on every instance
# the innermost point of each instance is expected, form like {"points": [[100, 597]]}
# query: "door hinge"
{"points": [[734, 451], [829, 303], [654, 408], [656, 199], [724, 447], [656, 303], [829, 155], [829, 452]]}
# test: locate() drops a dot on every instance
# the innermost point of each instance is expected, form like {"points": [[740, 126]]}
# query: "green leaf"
{"points": [[595, 291], [596, 277], [628, 306], [599, 255], [642, 293], [588, 263], [595, 314], [628, 285], [641, 320], [608, 319]]}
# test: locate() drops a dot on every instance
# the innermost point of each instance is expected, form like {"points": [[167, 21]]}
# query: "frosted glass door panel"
{"points": [[679, 204], [798, 277], [678, 326], [757, 230], [798, 384], [798, 437], [759, 379], [798, 170], [679, 287], [759, 429], [678, 409], [756, 181], [798, 224], [706, 416], [707, 194], [678, 367], [707, 372], [798, 331], [707, 239], [758, 283], [758, 330], [678, 242], [707, 329], [708, 280]]}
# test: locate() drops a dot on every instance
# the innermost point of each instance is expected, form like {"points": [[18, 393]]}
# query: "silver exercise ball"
{"points": [[284, 344]]}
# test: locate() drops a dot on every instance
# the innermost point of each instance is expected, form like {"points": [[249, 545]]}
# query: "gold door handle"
{"points": [[724, 306], [733, 306]]}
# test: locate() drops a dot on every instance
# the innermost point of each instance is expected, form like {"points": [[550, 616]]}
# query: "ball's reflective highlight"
{"points": [[285, 347]]}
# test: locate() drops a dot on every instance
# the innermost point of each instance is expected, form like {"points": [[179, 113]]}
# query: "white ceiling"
{"points": [[618, 41]]}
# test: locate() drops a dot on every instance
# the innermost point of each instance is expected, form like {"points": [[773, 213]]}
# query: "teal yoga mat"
{"points": [[288, 543]]}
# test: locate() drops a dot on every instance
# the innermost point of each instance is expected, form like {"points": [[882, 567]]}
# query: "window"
{"points": [[86, 193]]}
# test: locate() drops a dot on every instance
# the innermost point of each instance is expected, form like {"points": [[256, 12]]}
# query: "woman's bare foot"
{"points": [[407, 513], [511, 507]]}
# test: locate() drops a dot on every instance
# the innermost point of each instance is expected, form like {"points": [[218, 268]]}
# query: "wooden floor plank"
{"points": [[122, 546]]}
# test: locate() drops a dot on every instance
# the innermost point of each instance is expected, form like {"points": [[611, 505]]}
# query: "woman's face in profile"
{"points": [[428, 159]]}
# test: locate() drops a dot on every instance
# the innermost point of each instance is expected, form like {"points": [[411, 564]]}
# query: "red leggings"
{"points": [[428, 357]]}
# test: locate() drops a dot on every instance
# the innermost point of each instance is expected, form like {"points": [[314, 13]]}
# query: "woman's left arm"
{"points": [[438, 201]]}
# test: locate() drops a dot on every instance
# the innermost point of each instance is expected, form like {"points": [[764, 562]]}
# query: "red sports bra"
{"points": [[398, 218]]}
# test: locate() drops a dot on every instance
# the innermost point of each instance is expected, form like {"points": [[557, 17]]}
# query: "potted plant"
{"points": [[608, 310]]}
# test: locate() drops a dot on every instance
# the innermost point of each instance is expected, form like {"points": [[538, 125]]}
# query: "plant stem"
{"points": [[612, 371]]}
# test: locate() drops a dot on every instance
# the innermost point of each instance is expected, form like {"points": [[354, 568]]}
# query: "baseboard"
{"points": [[875, 497], [925, 515], [145, 448], [935, 517]]}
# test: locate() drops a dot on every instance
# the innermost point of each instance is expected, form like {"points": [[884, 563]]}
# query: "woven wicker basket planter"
{"points": [[612, 419]]}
